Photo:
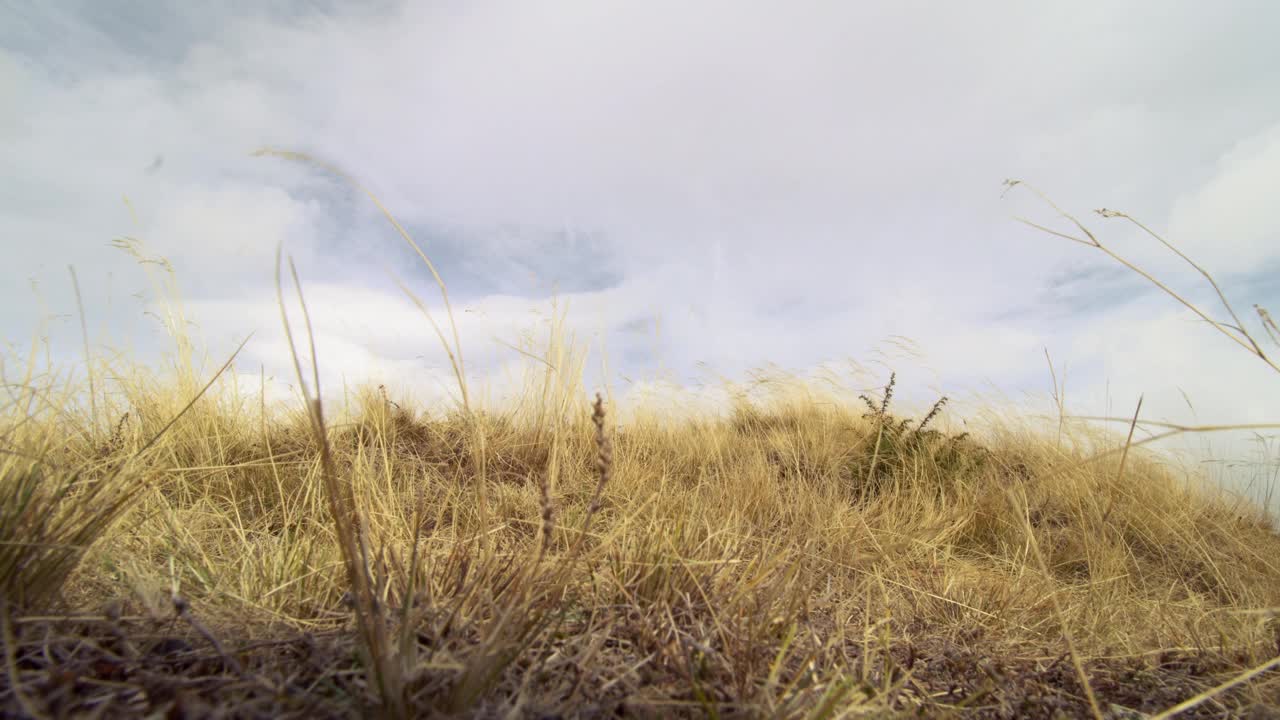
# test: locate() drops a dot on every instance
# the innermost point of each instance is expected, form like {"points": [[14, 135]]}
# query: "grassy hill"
{"points": [[174, 546], [811, 555]]}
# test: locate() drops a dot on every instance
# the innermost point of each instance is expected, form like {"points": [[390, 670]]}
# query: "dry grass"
{"points": [[169, 550], [804, 560]]}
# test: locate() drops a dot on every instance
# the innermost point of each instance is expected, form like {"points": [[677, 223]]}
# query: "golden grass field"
{"points": [[174, 546]]}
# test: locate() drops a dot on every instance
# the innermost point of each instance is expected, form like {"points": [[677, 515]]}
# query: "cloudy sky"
{"points": [[709, 186]]}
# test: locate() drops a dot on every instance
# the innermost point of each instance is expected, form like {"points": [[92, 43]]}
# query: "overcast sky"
{"points": [[711, 186]]}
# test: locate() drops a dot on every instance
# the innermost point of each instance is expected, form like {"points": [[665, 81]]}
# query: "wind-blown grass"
{"points": [[752, 565], [812, 554]]}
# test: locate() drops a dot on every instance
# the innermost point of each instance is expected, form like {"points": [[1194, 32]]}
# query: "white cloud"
{"points": [[789, 183], [1233, 218], [230, 229], [1157, 349]]}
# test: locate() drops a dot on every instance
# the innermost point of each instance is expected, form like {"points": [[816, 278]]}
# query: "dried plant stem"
{"points": [[478, 444], [1059, 394], [345, 514], [454, 351], [604, 468], [88, 359], [1218, 689], [1237, 332]]}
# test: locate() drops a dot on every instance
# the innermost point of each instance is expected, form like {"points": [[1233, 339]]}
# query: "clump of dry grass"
{"points": [[798, 558]]}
